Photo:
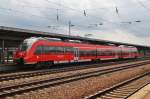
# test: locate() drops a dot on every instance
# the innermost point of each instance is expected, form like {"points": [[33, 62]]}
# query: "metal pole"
{"points": [[3, 49], [1, 56], [69, 28], [7, 55]]}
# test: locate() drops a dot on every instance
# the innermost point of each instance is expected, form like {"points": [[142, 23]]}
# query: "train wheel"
{"points": [[135, 57], [39, 65], [96, 60], [46, 64], [49, 64]]}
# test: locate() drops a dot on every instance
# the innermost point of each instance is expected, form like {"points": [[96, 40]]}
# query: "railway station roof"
{"points": [[13, 36]]}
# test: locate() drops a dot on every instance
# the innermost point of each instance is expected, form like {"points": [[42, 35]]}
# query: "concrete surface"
{"points": [[144, 93]]}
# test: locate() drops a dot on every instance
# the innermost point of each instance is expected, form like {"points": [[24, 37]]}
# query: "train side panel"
{"points": [[48, 51]]}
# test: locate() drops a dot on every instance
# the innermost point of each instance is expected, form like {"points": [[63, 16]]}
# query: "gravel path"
{"points": [[82, 88]]}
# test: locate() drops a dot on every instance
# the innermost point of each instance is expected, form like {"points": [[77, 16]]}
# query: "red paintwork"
{"points": [[30, 57]]}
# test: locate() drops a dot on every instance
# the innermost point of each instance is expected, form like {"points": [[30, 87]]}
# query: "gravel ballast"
{"points": [[61, 74], [81, 88]]}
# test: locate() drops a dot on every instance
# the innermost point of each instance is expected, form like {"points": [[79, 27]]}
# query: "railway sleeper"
{"points": [[127, 88], [116, 94], [104, 97], [124, 91], [110, 97], [121, 92], [133, 85]]}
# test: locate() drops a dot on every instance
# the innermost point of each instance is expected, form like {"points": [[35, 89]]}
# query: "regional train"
{"points": [[44, 51]]}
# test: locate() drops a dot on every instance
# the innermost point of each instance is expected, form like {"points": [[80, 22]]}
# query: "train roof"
{"points": [[64, 43], [57, 41]]}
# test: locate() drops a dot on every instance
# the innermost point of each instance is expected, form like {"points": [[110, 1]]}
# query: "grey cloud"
{"points": [[42, 15]]}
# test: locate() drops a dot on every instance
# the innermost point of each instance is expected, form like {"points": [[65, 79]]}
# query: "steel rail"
{"points": [[58, 70], [122, 90], [33, 85]]}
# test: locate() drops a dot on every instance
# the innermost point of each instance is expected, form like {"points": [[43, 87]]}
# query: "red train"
{"points": [[46, 51]]}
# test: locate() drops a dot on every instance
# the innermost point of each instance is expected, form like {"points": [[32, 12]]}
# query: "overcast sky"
{"points": [[116, 20]]}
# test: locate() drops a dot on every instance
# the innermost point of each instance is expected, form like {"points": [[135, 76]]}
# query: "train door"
{"points": [[76, 54], [121, 53], [39, 53]]}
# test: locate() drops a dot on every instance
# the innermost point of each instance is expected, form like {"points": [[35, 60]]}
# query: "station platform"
{"points": [[8, 64], [7, 67], [144, 93]]}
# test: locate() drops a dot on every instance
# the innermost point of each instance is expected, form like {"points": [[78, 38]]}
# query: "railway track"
{"points": [[18, 75], [124, 89], [34, 85]]}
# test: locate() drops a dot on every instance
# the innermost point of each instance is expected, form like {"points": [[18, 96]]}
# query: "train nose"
{"points": [[19, 61], [20, 54], [19, 57]]}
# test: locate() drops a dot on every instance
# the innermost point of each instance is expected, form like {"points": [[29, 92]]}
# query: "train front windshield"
{"points": [[23, 47], [26, 44]]}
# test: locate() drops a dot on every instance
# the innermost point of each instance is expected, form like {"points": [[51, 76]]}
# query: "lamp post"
{"points": [[70, 25]]}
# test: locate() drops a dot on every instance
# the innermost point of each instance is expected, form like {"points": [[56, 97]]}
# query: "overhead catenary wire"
{"points": [[73, 9], [143, 5], [123, 19], [26, 4], [59, 9], [85, 14], [41, 18], [79, 11], [31, 14]]}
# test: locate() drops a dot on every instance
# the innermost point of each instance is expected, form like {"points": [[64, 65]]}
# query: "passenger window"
{"points": [[45, 50], [49, 49], [59, 50], [38, 50], [69, 50]]}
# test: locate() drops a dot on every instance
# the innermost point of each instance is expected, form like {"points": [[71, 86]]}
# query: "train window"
{"points": [[98, 52], [87, 53], [105, 53], [53, 49], [38, 50], [92, 52], [59, 50], [46, 49], [69, 50], [49, 49], [23, 47], [82, 53]]}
